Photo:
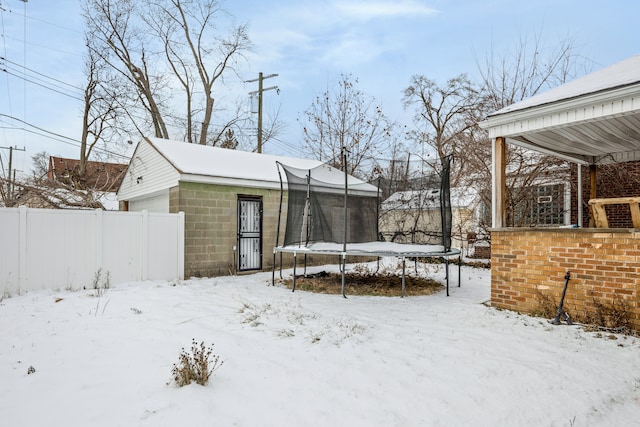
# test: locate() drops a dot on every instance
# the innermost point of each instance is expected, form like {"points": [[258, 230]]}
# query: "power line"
{"points": [[60, 138], [40, 74], [41, 46], [259, 93], [41, 85], [49, 84], [4, 45], [38, 19], [12, 180]]}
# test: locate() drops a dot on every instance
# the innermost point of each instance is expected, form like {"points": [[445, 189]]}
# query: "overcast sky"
{"points": [[309, 44]]}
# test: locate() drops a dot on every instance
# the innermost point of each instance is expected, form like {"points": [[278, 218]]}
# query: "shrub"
{"points": [[100, 283], [610, 316], [197, 365], [546, 307]]}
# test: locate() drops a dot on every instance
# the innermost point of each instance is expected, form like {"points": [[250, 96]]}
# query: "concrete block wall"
{"points": [[211, 221], [211, 215], [604, 267]]}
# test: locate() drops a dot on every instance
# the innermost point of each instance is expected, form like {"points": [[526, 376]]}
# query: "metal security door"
{"points": [[249, 234]]}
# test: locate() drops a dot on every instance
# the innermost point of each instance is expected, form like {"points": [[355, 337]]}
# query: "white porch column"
{"points": [[499, 183], [579, 194]]}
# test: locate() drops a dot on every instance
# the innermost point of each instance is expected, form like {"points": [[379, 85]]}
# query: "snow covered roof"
{"points": [[204, 160], [618, 75], [461, 197], [593, 119], [159, 164]]}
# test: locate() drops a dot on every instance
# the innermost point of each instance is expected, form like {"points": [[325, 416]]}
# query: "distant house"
{"points": [[99, 176], [414, 216], [65, 188], [230, 199]]}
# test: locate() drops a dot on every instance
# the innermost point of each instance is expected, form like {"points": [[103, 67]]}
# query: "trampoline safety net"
{"points": [[445, 202], [316, 207]]}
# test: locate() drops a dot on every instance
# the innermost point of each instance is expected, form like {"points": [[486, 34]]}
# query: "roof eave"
{"points": [[612, 102]]}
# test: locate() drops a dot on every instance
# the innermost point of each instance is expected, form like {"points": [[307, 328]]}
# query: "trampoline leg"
{"points": [[305, 265], [403, 268], [273, 269], [459, 269], [280, 265], [295, 261], [446, 275], [344, 266]]}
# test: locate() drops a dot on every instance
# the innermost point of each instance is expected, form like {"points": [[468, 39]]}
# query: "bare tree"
{"points": [[39, 165], [101, 111], [194, 54], [446, 121], [347, 119], [272, 126], [39, 191], [395, 176], [443, 114], [230, 140], [114, 36], [529, 69], [168, 52]]}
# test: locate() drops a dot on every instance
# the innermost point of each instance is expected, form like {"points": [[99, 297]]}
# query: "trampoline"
{"points": [[332, 213]]}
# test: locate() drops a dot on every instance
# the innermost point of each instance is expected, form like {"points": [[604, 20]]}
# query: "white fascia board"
{"points": [[592, 107], [270, 185], [221, 180]]}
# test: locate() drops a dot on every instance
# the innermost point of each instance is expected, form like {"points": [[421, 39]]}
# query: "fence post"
{"points": [[180, 245], [145, 244], [22, 248], [99, 234]]}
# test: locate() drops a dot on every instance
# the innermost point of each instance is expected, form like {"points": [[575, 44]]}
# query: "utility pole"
{"points": [[11, 181], [259, 92]]}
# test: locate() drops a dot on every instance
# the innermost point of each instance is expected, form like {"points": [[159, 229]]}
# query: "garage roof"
{"points": [[203, 163]]}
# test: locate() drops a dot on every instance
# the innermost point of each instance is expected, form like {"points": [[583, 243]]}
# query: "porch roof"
{"points": [[591, 120]]}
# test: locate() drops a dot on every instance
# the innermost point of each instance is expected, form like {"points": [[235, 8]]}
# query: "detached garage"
{"points": [[230, 199]]}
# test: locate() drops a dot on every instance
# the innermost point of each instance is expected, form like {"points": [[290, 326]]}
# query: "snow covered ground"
{"points": [[302, 359]]}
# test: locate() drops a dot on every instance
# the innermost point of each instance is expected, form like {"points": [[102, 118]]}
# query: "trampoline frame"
{"points": [[380, 249]]}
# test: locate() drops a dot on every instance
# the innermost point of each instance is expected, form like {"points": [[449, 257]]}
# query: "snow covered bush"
{"points": [[197, 365], [101, 283]]}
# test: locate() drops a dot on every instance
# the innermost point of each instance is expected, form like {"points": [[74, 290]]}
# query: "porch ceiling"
{"points": [[592, 120], [615, 139]]}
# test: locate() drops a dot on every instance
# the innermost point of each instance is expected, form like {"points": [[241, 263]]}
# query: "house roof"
{"points": [[461, 197], [100, 176], [203, 163], [593, 119]]}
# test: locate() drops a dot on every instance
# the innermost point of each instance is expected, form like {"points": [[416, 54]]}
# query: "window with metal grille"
{"points": [[542, 205]]}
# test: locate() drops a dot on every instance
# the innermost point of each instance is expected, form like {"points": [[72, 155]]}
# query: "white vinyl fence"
{"points": [[69, 249]]}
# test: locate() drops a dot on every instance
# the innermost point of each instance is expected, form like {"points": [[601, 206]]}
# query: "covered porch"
{"points": [[591, 122]]}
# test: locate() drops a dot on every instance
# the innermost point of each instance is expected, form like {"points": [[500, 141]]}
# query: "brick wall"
{"points": [[616, 180], [529, 263], [482, 250]]}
